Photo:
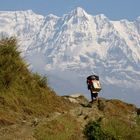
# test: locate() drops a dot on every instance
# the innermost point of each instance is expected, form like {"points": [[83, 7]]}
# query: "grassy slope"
{"points": [[20, 90], [118, 120], [121, 120], [24, 95]]}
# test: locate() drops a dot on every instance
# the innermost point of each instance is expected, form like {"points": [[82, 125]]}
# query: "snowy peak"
{"points": [[100, 17], [76, 40], [79, 12], [51, 16], [77, 16]]}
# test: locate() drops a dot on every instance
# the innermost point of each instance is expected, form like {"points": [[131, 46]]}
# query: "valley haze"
{"points": [[69, 48]]}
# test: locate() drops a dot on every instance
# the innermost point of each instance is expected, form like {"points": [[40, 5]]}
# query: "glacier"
{"points": [[69, 48]]}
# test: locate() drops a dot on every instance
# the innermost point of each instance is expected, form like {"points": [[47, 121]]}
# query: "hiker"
{"points": [[94, 86]]}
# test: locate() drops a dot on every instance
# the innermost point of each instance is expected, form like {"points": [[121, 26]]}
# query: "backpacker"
{"points": [[93, 83]]}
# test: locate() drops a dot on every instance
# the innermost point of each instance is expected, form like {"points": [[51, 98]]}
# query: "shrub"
{"points": [[93, 131]]}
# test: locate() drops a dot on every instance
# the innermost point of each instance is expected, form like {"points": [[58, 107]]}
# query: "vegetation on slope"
{"points": [[120, 121], [22, 92]]}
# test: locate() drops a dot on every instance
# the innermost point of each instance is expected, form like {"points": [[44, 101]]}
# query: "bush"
{"points": [[93, 131]]}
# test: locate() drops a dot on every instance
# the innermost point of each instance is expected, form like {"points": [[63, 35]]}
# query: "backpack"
{"points": [[94, 83]]}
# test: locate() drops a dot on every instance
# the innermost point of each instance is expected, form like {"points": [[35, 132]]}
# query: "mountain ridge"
{"points": [[79, 43]]}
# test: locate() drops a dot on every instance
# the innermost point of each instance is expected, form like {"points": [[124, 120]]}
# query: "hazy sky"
{"points": [[113, 9]]}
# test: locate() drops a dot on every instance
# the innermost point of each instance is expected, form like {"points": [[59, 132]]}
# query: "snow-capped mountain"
{"points": [[71, 47]]}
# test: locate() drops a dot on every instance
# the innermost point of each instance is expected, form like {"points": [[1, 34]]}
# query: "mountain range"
{"points": [[71, 47]]}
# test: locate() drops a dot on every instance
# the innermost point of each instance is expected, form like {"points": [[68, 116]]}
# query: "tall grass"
{"points": [[122, 129], [10, 63], [63, 127], [21, 90]]}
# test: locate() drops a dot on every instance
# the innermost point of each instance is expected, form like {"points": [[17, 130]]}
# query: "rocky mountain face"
{"points": [[71, 47]]}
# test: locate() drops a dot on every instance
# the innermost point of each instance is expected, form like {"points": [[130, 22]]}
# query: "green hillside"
{"points": [[24, 96], [23, 93]]}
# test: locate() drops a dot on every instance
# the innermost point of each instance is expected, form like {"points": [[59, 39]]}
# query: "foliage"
{"points": [[20, 90], [122, 129], [93, 131], [9, 64]]}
